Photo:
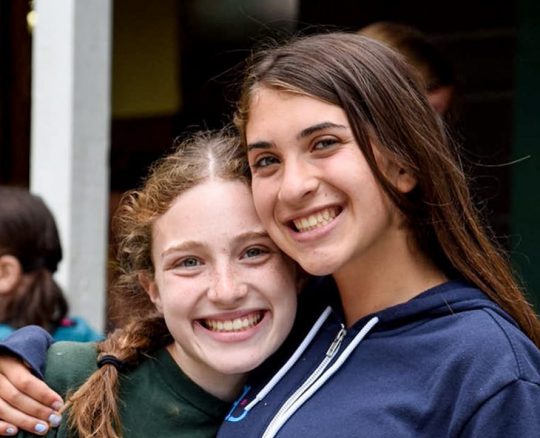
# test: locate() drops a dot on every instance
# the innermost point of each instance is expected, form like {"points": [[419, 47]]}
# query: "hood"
{"points": [[450, 298]]}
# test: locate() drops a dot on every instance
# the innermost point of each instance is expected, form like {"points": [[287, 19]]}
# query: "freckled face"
{"points": [[226, 291], [313, 189]]}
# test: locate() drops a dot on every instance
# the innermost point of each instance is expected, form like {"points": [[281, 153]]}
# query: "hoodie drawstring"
{"points": [[283, 415]]}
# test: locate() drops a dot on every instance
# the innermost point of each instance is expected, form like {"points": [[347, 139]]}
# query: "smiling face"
{"points": [[313, 189], [227, 293]]}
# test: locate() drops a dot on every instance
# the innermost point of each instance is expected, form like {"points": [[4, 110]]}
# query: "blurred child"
{"points": [[30, 251]]}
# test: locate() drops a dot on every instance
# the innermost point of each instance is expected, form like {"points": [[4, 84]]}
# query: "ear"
{"points": [[398, 174], [404, 180], [10, 274], [150, 286]]}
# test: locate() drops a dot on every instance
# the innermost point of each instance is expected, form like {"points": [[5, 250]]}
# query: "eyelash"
{"points": [[183, 263], [258, 163], [325, 142], [261, 251]]}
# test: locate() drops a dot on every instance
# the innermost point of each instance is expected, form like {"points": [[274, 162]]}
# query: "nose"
{"points": [[298, 181], [227, 288]]}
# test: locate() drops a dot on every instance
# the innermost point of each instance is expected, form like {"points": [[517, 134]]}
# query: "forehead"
{"points": [[270, 107], [213, 208], [282, 95]]}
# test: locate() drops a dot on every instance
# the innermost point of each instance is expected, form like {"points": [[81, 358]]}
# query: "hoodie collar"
{"points": [[448, 298]]}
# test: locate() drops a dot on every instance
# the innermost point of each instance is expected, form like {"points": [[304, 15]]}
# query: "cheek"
{"points": [[177, 298], [257, 189], [173, 312], [262, 199], [371, 199], [285, 292], [286, 313]]}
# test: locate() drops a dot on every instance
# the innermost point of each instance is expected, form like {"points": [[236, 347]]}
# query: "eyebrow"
{"points": [[190, 244], [303, 134], [259, 145], [318, 127], [249, 235]]}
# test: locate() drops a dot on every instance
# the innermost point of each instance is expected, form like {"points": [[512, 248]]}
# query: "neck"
{"points": [[384, 278], [223, 386]]}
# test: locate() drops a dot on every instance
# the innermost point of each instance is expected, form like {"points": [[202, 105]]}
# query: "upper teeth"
{"points": [[233, 325], [316, 220]]}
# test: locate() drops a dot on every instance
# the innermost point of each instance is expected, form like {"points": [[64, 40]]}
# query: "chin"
{"points": [[319, 267], [238, 366]]}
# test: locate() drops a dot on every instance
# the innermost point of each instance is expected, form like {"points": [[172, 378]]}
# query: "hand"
{"points": [[26, 402]]}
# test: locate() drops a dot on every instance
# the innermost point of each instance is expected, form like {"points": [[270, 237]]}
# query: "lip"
{"points": [[286, 220], [231, 315], [232, 337], [306, 236]]}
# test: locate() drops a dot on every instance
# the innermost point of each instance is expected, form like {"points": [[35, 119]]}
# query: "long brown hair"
{"points": [[28, 232], [93, 408], [384, 102]]}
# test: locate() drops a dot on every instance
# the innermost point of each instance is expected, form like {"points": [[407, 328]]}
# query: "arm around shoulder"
{"points": [[69, 364], [29, 344]]}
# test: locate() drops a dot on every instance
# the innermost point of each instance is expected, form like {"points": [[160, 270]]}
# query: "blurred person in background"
{"points": [[30, 252], [435, 72]]}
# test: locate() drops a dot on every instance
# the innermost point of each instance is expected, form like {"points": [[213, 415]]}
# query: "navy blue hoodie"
{"points": [[30, 343], [448, 363]]}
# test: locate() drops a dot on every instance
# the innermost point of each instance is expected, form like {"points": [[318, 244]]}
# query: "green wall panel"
{"points": [[526, 174]]}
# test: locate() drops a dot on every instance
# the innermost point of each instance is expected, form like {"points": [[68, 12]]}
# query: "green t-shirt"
{"points": [[156, 398]]}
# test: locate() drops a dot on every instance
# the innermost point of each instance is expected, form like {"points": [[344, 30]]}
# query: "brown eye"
{"points": [[264, 162], [324, 143]]}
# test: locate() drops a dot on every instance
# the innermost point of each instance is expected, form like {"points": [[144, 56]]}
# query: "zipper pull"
{"points": [[337, 341]]}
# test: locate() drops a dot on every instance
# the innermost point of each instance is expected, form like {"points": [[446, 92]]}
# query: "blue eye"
{"points": [[189, 262], [254, 252]]}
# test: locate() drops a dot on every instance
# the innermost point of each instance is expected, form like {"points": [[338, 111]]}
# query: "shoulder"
{"points": [[505, 340], [69, 364], [469, 326], [512, 410], [484, 350], [76, 329]]}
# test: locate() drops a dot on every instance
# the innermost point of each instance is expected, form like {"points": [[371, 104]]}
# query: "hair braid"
{"points": [[93, 408]]}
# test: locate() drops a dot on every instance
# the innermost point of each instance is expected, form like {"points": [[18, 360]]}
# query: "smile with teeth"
{"points": [[233, 325], [316, 220]]}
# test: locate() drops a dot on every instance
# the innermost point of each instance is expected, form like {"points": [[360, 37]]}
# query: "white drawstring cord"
{"points": [[292, 360], [277, 425]]}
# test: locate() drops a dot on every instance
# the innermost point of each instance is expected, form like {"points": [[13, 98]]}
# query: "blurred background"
{"points": [[175, 65]]}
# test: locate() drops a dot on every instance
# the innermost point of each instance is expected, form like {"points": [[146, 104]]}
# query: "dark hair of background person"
{"points": [[28, 232]]}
